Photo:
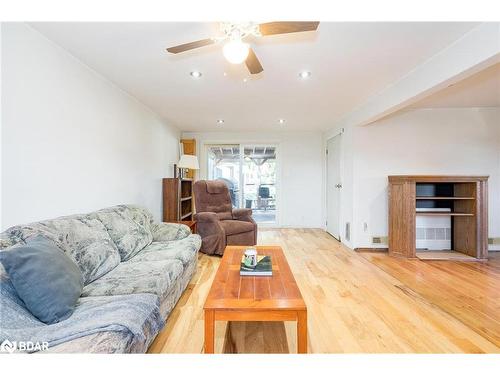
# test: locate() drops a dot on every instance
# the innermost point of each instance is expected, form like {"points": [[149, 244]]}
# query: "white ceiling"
{"points": [[479, 90], [349, 63]]}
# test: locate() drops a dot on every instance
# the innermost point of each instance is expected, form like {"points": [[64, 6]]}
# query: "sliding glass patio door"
{"points": [[250, 172], [224, 164]]}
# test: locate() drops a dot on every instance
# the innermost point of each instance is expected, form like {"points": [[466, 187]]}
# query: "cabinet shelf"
{"points": [[186, 198], [432, 213], [186, 215], [445, 198]]}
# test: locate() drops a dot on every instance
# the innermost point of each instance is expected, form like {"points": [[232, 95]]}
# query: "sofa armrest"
{"points": [[170, 232], [244, 214]]}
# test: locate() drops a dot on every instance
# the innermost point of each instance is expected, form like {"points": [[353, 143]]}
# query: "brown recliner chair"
{"points": [[216, 221]]}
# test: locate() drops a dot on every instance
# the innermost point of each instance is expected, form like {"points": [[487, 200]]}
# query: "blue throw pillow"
{"points": [[44, 277]]}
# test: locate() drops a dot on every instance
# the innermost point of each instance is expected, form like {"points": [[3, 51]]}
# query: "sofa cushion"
{"points": [[157, 277], [170, 232], [8, 239], [184, 250], [224, 215], [83, 238], [45, 278], [129, 226], [236, 226]]}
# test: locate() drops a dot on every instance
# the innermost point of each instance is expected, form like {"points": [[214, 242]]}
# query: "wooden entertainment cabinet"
{"points": [[465, 198]]}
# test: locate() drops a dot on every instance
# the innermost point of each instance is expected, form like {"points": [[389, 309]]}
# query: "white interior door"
{"points": [[334, 186]]}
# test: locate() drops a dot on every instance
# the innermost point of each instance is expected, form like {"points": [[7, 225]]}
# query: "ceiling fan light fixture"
{"points": [[235, 51]]}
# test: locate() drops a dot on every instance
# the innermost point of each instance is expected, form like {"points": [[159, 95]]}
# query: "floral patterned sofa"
{"points": [[122, 253]]}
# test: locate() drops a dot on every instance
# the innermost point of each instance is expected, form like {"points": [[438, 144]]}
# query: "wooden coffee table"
{"points": [[261, 298]]}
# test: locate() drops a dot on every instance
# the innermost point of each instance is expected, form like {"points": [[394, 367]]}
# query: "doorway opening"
{"points": [[333, 185]]}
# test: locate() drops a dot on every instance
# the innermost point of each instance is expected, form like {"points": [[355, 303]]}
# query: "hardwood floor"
{"points": [[468, 291], [357, 302]]}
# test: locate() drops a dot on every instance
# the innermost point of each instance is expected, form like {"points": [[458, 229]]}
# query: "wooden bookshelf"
{"points": [[178, 201], [465, 199]]}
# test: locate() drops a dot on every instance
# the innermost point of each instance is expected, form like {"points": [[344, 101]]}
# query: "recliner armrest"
{"points": [[242, 214], [208, 224], [206, 217]]}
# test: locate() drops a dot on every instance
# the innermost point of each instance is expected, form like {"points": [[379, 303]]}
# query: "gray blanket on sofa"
{"points": [[136, 314]]}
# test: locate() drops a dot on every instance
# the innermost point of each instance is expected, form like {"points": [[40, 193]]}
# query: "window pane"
{"points": [[224, 164], [259, 176]]}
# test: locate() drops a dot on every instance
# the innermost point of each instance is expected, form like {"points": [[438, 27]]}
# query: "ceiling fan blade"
{"points": [[192, 45], [253, 63], [283, 27]]}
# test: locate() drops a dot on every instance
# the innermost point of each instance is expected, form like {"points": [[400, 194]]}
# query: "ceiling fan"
{"points": [[235, 50]]}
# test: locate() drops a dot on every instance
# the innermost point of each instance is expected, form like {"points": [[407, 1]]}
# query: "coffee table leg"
{"points": [[209, 331], [302, 332]]}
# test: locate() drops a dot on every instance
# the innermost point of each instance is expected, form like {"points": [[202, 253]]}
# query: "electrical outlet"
{"points": [[365, 226], [494, 241], [379, 240]]}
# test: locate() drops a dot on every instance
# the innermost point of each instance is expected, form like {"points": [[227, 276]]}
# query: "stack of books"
{"points": [[263, 268]]}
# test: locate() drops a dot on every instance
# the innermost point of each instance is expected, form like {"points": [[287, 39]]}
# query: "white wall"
{"points": [[300, 158], [1, 174], [72, 141], [423, 141]]}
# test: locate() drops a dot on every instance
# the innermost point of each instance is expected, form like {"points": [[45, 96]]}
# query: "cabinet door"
{"points": [[402, 218], [189, 146], [482, 219]]}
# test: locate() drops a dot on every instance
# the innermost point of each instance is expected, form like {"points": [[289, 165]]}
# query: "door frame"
{"points": [[204, 169], [341, 173]]}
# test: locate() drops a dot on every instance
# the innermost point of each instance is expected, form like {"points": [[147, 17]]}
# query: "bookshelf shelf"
{"points": [[431, 213], [425, 198]]}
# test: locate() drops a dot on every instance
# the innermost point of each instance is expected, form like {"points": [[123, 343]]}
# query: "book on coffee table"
{"points": [[264, 267]]}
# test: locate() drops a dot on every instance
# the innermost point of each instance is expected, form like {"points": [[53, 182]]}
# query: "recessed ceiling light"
{"points": [[245, 79], [195, 74], [305, 74], [225, 74], [281, 121], [220, 121]]}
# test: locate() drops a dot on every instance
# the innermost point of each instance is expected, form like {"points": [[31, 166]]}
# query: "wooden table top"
{"points": [[231, 291]]}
